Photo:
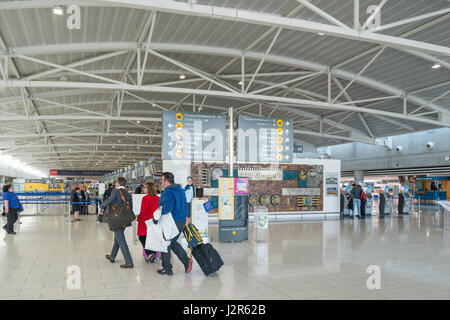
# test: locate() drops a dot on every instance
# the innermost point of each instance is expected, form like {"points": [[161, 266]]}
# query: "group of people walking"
{"points": [[172, 200]]}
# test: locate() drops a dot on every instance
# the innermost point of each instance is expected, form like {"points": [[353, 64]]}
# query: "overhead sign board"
{"points": [[265, 139], [55, 172], [193, 136], [432, 178]]}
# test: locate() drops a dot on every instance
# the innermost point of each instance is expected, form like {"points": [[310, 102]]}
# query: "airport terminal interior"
{"points": [[281, 150]]}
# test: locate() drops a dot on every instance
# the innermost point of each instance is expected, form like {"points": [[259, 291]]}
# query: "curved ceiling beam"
{"points": [[77, 134], [282, 100], [226, 52], [252, 17]]}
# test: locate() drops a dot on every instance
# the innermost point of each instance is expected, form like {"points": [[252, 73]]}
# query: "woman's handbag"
{"points": [[119, 216]]}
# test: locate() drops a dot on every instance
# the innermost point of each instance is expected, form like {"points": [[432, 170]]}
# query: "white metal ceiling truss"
{"points": [[288, 95]]}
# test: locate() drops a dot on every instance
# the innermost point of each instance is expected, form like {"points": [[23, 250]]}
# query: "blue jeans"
{"points": [[120, 242], [188, 205], [356, 206]]}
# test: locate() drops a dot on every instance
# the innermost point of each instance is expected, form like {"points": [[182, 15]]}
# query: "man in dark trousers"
{"points": [[119, 236], [173, 201]]}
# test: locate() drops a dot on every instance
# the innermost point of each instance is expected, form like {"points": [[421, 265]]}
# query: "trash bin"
{"points": [[261, 224]]}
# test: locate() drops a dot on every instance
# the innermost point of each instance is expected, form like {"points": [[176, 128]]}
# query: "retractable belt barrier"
{"points": [[39, 198]]}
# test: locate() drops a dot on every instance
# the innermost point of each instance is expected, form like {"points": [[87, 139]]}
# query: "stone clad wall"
{"points": [[270, 187]]}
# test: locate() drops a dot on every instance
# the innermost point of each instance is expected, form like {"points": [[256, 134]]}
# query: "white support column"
{"points": [[231, 143], [138, 62], [2, 71], [356, 24], [405, 110], [329, 85], [242, 74], [6, 68]]}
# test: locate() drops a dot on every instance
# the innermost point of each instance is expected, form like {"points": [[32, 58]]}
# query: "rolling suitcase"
{"points": [[208, 258]]}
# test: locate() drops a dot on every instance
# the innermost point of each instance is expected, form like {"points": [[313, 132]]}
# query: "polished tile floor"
{"points": [[302, 260]]}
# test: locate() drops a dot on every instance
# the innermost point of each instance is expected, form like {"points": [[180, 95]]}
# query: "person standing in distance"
{"points": [[107, 192], [173, 201], [189, 190], [12, 207], [356, 195]]}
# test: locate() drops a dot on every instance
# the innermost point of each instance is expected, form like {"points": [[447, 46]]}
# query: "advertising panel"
{"points": [[226, 198]]}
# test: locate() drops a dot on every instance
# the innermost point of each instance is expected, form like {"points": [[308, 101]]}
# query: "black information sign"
{"points": [[193, 136], [265, 139]]}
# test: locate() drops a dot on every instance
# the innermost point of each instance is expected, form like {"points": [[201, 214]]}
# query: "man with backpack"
{"points": [[356, 196], [114, 200], [173, 201]]}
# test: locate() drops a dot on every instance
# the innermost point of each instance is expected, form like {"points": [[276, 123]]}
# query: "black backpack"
{"points": [[119, 216]]}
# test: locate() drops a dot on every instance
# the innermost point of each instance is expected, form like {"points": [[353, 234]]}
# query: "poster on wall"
{"points": [[240, 185], [226, 198], [331, 184]]}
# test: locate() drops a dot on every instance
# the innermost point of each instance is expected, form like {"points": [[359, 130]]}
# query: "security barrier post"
{"points": [[419, 206]]}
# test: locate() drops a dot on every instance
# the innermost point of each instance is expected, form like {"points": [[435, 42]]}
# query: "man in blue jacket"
{"points": [[173, 201]]}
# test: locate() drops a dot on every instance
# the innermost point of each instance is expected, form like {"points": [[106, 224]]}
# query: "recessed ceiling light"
{"points": [[58, 10], [240, 82], [128, 133], [436, 66], [321, 34], [182, 76], [153, 105], [119, 140], [114, 147], [138, 121]]}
